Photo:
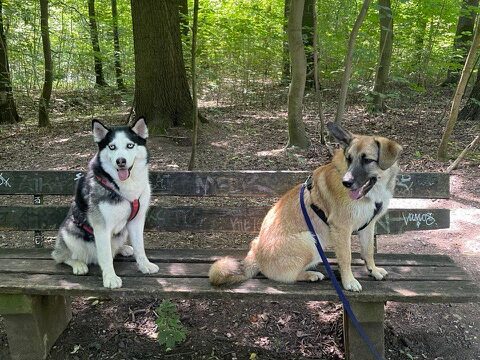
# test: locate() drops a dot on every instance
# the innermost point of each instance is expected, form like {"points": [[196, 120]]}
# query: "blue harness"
{"points": [[336, 284]]}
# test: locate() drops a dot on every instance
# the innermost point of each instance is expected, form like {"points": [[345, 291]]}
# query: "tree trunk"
{"points": [[471, 110], [116, 47], [307, 34], [161, 88], [316, 74], [463, 38], [386, 46], [191, 164], [43, 119], [285, 54], [8, 110], [457, 98], [97, 55], [296, 129], [183, 8], [348, 61]]}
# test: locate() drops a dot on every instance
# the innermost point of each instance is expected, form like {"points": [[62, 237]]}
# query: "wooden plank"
{"points": [[177, 269], [374, 291], [207, 219], [213, 183], [211, 255]]}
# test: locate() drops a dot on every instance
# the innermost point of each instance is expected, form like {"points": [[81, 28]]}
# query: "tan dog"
{"points": [[353, 192]]}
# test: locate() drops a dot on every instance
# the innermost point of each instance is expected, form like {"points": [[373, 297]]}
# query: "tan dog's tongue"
{"points": [[123, 174]]}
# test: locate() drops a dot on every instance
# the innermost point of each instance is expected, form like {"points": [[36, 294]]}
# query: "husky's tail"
{"points": [[228, 270]]}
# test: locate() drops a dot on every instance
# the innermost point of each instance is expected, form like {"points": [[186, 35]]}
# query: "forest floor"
{"points": [[252, 137]]}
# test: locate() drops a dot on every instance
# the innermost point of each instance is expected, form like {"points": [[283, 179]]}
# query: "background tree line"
{"points": [[242, 50]]}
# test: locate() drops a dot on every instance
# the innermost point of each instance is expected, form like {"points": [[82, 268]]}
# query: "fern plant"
{"points": [[170, 329]]}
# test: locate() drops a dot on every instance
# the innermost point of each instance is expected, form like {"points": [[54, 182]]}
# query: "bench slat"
{"points": [[206, 219], [179, 270], [211, 255], [213, 183], [401, 291]]}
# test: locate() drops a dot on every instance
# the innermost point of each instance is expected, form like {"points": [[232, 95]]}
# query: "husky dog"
{"points": [[349, 194], [110, 204]]}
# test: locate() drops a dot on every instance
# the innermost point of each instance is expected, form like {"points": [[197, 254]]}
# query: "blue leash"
{"points": [[336, 285]]}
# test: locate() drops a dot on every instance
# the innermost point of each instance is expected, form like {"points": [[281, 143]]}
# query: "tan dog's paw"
{"points": [[351, 284], [378, 273], [314, 276]]}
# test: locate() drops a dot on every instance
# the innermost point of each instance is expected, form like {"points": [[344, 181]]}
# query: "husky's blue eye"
{"points": [[112, 147], [130, 146]]}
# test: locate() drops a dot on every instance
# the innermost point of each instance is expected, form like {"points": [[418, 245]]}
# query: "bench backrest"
{"points": [[218, 200]]}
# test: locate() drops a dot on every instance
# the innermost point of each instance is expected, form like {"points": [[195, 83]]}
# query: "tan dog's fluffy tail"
{"points": [[228, 270]]}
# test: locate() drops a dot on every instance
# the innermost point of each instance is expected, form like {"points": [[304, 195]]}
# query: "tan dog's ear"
{"points": [[388, 152], [343, 136]]}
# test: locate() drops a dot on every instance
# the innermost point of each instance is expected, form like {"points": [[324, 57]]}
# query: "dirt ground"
{"points": [[252, 137]]}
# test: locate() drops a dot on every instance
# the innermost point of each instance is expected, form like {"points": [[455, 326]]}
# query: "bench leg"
{"points": [[371, 317], [33, 323]]}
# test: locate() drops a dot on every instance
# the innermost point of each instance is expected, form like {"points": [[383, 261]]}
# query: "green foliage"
{"points": [[170, 330], [240, 45]]}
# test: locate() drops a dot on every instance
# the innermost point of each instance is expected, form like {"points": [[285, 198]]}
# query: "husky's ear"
{"points": [[139, 127], [388, 152], [344, 137], [99, 130]]}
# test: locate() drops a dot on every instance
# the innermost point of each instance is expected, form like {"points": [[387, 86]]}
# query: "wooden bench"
{"points": [[35, 292]]}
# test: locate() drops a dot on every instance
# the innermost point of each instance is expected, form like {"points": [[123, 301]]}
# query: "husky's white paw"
{"points": [[126, 250], [78, 267], [315, 276], [351, 284], [147, 267], [112, 281], [378, 273]]}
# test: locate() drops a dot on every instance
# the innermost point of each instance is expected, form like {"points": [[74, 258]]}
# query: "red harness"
{"points": [[134, 205]]}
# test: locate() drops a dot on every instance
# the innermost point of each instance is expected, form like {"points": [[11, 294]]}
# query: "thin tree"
{"points": [[316, 73], [162, 93], [97, 55], [191, 164], [8, 110], [116, 47], [462, 40], [44, 102], [385, 54], [296, 128], [348, 61], [457, 98], [285, 52], [308, 34], [471, 109]]}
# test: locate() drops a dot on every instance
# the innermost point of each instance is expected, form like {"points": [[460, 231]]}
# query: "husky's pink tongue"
{"points": [[355, 194], [123, 174]]}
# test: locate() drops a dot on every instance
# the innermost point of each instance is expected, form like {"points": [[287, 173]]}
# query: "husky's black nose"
{"points": [[347, 184], [121, 162]]}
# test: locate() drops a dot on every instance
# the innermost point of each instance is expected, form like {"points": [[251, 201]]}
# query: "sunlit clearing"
{"points": [[220, 144], [273, 153]]}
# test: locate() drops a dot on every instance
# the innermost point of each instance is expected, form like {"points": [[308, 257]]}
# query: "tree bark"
{"points": [[183, 8], [471, 110], [191, 164], [43, 119], [8, 110], [296, 128], [116, 47], [348, 61], [463, 38], [307, 34], [457, 98], [316, 74], [385, 54], [97, 55], [286, 53], [162, 94]]}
